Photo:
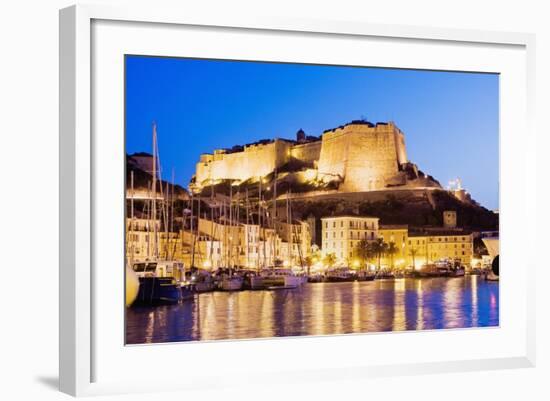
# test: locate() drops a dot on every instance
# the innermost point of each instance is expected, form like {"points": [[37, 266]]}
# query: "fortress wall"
{"points": [[254, 161], [307, 152], [365, 156], [334, 153], [400, 146], [372, 160]]}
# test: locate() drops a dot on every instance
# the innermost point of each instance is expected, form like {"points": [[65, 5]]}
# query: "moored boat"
{"points": [[340, 275], [281, 277], [365, 276], [132, 286], [159, 282], [231, 283], [492, 244], [202, 281]]}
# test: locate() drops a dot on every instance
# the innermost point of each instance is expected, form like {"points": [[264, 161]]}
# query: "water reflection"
{"points": [[317, 309]]}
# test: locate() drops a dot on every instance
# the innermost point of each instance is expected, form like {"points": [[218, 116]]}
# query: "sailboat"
{"points": [[492, 244], [131, 279], [160, 281], [277, 277], [230, 280]]}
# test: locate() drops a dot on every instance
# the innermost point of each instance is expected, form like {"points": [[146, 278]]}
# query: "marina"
{"points": [[321, 309], [328, 232]]}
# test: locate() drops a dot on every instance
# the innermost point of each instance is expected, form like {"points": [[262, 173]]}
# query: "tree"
{"points": [[379, 248], [391, 251], [363, 252], [413, 252], [308, 261], [329, 259]]}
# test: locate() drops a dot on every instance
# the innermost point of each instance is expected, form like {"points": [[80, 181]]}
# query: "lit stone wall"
{"points": [[254, 161], [307, 152], [366, 157]]}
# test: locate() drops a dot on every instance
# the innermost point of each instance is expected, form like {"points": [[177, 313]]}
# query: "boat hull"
{"points": [[157, 291], [132, 286], [231, 284]]}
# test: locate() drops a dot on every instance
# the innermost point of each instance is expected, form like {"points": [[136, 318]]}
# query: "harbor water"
{"points": [[321, 309]]}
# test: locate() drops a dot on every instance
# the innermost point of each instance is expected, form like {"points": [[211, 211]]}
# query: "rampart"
{"points": [[364, 156]]}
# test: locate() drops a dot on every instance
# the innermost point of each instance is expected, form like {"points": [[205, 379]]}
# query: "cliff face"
{"points": [[356, 157]]}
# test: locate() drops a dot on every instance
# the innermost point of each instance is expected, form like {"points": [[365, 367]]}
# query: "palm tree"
{"points": [[413, 252], [363, 252], [379, 248], [329, 259], [308, 261], [391, 251]]}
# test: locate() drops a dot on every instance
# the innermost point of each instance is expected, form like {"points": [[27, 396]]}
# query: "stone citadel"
{"points": [[356, 157]]}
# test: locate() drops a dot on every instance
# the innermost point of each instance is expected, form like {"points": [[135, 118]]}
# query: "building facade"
{"points": [[430, 247], [341, 235], [399, 235]]}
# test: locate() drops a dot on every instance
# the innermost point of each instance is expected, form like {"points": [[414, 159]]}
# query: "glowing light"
{"points": [[356, 263], [311, 174]]}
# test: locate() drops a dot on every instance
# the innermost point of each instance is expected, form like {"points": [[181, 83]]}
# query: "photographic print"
{"points": [[270, 199]]}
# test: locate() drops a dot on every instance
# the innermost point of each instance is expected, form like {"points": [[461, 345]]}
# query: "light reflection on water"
{"points": [[321, 309]]}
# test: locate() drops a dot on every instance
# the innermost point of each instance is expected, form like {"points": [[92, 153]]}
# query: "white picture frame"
{"points": [[79, 343]]}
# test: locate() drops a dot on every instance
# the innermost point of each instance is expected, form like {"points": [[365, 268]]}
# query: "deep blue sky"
{"points": [[450, 119]]}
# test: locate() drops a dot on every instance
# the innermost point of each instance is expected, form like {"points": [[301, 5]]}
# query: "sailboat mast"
{"points": [[260, 219], [132, 222], [197, 226], [273, 220], [230, 223], [289, 227], [154, 200], [211, 224], [247, 233], [192, 230]]}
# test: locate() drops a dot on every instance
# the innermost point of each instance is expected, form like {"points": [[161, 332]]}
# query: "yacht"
{"points": [[340, 275], [282, 277], [492, 244], [161, 282]]}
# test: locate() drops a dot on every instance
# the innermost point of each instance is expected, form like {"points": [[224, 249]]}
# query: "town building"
{"points": [[429, 246], [399, 236], [342, 234]]}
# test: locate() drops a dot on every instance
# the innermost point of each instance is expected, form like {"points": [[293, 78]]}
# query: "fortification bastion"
{"points": [[357, 157]]}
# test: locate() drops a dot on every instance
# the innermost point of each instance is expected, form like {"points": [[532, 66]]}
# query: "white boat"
{"points": [[492, 244], [281, 277], [132, 286], [256, 282], [231, 283]]}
